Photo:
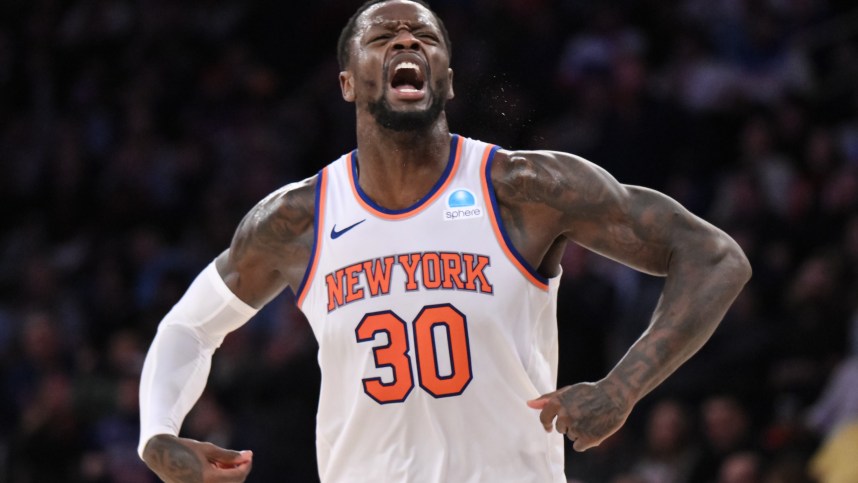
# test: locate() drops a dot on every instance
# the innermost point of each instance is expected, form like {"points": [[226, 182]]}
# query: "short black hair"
{"points": [[343, 48]]}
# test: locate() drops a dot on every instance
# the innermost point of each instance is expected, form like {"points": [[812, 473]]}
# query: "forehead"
{"points": [[391, 14]]}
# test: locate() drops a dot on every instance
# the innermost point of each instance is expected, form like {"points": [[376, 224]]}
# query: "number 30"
{"points": [[395, 354]]}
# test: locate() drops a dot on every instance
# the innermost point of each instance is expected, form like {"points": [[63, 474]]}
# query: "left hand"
{"points": [[587, 413], [183, 460]]}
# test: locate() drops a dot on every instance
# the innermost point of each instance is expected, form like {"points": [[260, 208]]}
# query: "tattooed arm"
{"points": [[271, 247], [270, 251], [548, 198]]}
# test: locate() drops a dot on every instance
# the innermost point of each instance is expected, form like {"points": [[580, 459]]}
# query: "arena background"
{"points": [[134, 135]]}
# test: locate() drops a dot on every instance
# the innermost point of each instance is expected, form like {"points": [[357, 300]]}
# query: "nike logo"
{"points": [[336, 234]]}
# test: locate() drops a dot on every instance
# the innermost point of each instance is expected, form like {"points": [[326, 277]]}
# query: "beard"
{"points": [[408, 121]]}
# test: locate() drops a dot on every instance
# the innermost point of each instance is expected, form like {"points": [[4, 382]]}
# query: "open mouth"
{"points": [[407, 77]]}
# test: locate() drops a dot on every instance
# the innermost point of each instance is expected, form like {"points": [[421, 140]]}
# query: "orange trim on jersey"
{"points": [[319, 225], [495, 217], [415, 210]]}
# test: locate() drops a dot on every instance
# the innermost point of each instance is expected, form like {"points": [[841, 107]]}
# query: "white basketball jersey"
{"points": [[433, 333]]}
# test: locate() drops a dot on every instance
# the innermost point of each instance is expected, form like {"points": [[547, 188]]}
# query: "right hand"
{"points": [[182, 460], [585, 412]]}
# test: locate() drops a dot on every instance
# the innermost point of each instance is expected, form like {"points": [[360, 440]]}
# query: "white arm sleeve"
{"points": [[178, 362]]}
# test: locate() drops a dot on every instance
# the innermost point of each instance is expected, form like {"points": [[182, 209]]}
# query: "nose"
{"points": [[405, 40]]}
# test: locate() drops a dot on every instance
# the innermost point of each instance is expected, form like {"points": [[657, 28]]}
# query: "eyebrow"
{"points": [[392, 24]]}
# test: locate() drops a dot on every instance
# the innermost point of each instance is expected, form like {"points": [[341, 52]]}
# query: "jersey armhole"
{"points": [[497, 223], [318, 226]]}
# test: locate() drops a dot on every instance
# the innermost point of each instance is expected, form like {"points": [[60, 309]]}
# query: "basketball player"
{"points": [[427, 265]]}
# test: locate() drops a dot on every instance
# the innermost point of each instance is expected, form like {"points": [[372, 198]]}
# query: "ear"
{"points": [[450, 93], [347, 85]]}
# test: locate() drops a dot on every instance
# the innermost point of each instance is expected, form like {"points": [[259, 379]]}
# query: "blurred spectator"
{"points": [[727, 430], [112, 453], [669, 452], [743, 467], [48, 441], [603, 463], [835, 460], [837, 406]]}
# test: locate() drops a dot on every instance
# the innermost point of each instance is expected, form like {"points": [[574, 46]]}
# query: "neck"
{"points": [[396, 169]]}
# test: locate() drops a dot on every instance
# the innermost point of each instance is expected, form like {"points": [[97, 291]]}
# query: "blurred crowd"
{"points": [[134, 135]]}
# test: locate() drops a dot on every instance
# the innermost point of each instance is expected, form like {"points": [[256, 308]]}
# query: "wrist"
{"points": [[621, 393], [148, 445]]}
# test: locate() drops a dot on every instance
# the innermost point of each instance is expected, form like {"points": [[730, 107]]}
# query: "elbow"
{"points": [[733, 262], [742, 268]]}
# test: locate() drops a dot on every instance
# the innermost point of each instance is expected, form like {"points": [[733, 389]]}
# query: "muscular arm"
{"points": [[271, 246], [270, 251], [704, 268]]}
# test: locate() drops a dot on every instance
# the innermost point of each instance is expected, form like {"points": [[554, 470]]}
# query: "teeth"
{"points": [[407, 65]]}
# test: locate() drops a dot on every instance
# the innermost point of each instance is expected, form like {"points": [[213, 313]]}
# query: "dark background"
{"points": [[134, 135]]}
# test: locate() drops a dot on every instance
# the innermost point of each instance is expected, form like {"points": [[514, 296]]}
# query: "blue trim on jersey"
{"points": [[316, 228], [454, 140], [499, 220]]}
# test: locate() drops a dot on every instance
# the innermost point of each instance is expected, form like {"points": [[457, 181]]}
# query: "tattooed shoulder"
{"points": [[558, 181], [520, 176], [282, 219]]}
